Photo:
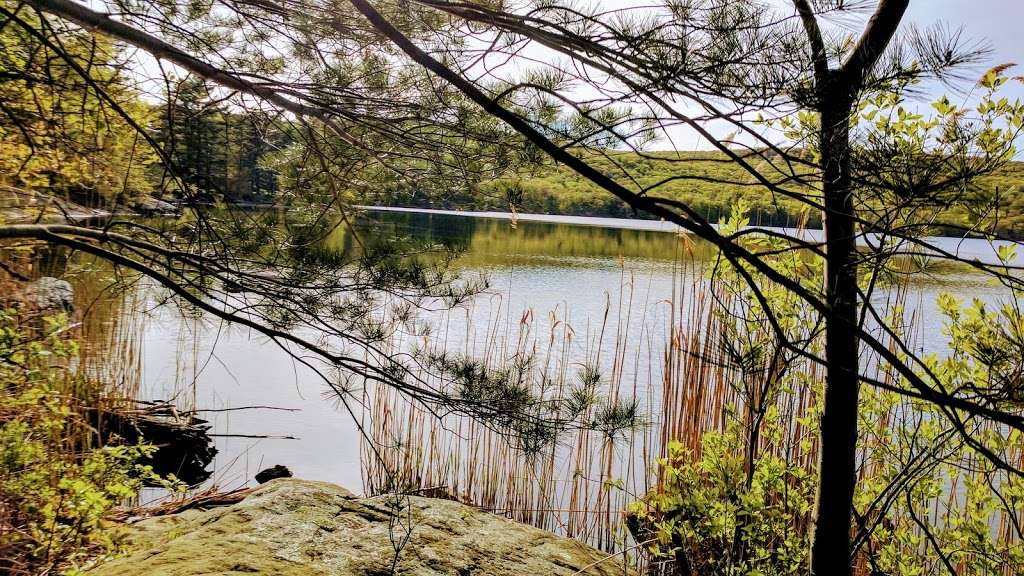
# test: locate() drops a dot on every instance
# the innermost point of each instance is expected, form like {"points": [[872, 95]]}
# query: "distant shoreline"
{"points": [[978, 249]]}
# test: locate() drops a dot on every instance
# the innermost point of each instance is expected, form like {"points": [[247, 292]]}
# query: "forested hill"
{"points": [[213, 152], [558, 190]]}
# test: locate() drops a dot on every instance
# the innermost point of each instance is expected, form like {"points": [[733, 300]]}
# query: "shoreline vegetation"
{"points": [[200, 151], [477, 465], [705, 181]]}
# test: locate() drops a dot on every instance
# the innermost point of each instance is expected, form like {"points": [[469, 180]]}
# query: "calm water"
{"points": [[558, 267]]}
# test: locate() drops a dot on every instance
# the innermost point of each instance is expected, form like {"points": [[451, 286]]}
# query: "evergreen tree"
{"points": [[251, 142], [194, 134]]}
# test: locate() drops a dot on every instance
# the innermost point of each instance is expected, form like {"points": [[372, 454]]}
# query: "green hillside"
{"points": [[559, 190]]}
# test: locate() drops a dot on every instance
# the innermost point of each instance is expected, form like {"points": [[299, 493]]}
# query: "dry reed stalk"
{"points": [[564, 488]]}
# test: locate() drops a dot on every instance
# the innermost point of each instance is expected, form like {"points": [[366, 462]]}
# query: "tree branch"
{"points": [[874, 40], [819, 57]]}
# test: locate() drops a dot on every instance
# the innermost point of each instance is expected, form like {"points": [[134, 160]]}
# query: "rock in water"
{"points": [[298, 527], [273, 473], [51, 294], [154, 206]]}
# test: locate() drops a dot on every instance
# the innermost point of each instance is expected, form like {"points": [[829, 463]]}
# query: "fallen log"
{"points": [[183, 441]]}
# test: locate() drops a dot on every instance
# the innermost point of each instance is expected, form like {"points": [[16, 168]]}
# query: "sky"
{"points": [[995, 24], [999, 21], [999, 24]]}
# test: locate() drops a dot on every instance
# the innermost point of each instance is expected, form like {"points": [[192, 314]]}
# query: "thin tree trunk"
{"points": [[830, 546]]}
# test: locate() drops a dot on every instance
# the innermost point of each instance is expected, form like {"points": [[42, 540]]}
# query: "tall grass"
{"points": [[673, 365], [663, 353], [107, 320]]}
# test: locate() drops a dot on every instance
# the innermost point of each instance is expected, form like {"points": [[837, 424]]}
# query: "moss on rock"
{"points": [[314, 528]]}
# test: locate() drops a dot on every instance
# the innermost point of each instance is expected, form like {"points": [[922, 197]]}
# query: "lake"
{"points": [[616, 283]]}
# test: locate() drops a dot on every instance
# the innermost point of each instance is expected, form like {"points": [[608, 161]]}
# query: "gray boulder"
{"points": [[51, 294], [297, 527], [150, 205]]}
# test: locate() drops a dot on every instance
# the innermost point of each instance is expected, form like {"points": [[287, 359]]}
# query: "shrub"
{"points": [[56, 492], [711, 518]]}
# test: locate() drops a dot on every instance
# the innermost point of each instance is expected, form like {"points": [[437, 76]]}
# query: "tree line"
{"points": [[554, 189], [71, 125], [54, 130]]}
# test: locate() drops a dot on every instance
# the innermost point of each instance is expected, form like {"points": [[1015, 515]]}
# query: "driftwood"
{"points": [[209, 498], [184, 445]]}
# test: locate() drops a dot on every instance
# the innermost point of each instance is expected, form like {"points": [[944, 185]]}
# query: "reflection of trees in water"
{"points": [[112, 304], [453, 232], [29, 263], [486, 241], [107, 318]]}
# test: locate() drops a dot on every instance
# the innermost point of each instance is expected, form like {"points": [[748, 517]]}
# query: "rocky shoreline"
{"points": [[18, 206], [293, 527]]}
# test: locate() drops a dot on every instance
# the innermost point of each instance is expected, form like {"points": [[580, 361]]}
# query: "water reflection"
{"points": [[566, 274], [497, 242]]}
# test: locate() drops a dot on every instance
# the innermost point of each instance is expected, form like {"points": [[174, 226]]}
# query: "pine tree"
{"points": [[194, 135]]}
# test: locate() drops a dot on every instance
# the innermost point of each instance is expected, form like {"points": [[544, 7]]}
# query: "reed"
{"points": [[662, 352], [665, 353]]}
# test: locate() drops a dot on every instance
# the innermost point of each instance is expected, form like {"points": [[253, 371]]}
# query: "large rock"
{"points": [[51, 294], [151, 205], [313, 528]]}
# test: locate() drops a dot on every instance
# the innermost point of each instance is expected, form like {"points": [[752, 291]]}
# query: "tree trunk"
{"points": [[830, 545]]}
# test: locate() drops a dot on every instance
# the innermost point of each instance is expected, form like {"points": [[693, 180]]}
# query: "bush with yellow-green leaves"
{"points": [[56, 491]]}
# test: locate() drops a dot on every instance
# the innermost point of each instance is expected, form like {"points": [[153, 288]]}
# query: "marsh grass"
{"points": [[674, 371], [651, 360]]}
